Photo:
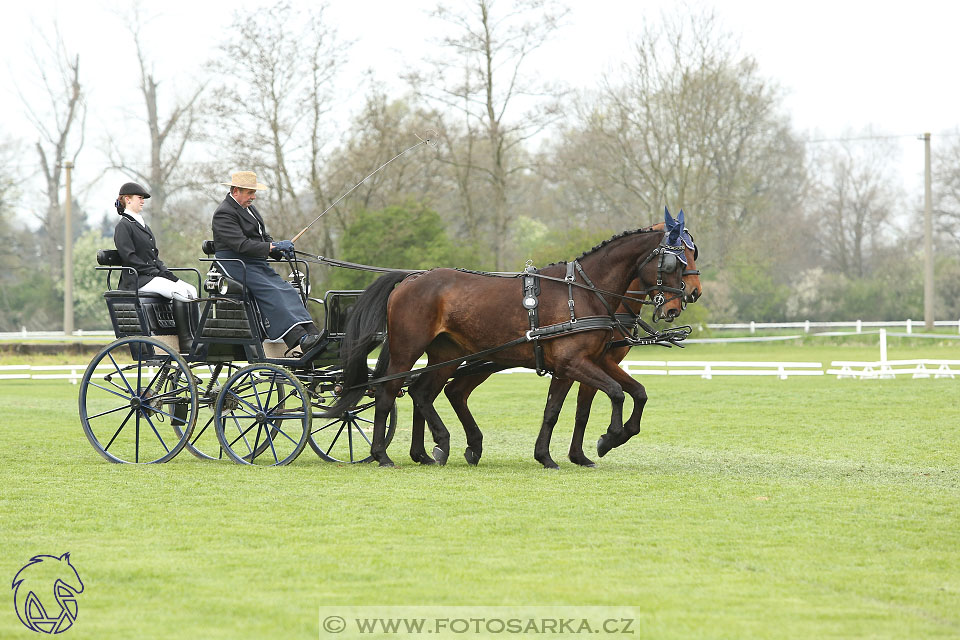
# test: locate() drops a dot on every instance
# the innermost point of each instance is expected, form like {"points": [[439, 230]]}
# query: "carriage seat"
{"points": [[137, 313]]}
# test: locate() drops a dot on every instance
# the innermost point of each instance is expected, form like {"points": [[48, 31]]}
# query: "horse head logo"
{"points": [[45, 593]]}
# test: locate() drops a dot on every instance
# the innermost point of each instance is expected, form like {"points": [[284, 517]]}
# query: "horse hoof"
{"points": [[424, 460], [471, 456], [552, 466], [440, 456], [583, 462], [387, 464], [602, 446]]}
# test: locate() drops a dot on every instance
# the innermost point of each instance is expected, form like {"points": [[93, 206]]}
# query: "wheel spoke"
{"points": [[361, 432], [119, 395], [156, 433], [335, 438], [119, 429], [284, 433], [243, 434], [103, 413], [122, 377], [331, 423], [197, 437]]}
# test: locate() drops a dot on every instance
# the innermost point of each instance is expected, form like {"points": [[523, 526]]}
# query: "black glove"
{"points": [[283, 248]]}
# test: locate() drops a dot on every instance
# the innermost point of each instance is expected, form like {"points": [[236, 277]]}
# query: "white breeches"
{"points": [[169, 289]]}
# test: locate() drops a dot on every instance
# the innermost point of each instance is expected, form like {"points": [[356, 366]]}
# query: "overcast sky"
{"points": [[845, 64]]}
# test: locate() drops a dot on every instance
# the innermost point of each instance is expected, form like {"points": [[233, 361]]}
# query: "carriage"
{"points": [[217, 387], [210, 382]]}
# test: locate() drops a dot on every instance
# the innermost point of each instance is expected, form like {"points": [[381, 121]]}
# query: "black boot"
{"points": [[292, 338], [185, 319]]}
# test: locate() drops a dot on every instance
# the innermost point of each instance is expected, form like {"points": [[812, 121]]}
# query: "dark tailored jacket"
{"points": [[138, 249], [234, 230]]}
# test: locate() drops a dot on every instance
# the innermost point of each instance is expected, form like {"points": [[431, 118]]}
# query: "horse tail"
{"points": [[366, 320]]}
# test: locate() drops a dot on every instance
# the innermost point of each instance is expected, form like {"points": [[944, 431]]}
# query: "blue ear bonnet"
{"points": [[677, 233]]}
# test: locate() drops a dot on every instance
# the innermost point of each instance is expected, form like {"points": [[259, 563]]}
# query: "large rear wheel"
{"points": [[138, 401]]}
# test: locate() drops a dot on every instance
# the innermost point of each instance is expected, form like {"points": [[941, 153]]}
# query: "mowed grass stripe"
{"points": [[758, 508]]}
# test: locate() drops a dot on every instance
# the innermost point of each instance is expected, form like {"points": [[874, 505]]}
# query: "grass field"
{"points": [[751, 507]]}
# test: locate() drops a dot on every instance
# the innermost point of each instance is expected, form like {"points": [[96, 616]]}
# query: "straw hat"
{"points": [[245, 180]]}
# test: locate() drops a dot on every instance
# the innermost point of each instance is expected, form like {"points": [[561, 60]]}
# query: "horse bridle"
{"points": [[669, 258]]}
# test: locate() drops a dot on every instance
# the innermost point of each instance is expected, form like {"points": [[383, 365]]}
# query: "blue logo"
{"points": [[45, 593]]}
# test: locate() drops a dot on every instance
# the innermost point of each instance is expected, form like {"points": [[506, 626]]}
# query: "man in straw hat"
{"points": [[240, 233]]}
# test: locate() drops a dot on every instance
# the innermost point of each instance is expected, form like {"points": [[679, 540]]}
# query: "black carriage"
{"points": [[210, 382]]}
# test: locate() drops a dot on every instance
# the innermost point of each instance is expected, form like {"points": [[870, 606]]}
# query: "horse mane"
{"points": [[622, 234]]}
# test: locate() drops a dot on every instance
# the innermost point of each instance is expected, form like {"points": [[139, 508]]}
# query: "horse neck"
{"points": [[614, 266]]}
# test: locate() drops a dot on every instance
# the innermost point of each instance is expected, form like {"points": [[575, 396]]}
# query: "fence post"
{"points": [[909, 325], [753, 327], [859, 325], [806, 326], [883, 347]]}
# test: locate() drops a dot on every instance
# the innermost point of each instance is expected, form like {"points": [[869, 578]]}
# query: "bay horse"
{"points": [[452, 314], [458, 389]]}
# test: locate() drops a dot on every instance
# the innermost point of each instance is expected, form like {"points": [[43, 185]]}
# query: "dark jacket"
{"points": [[235, 230], [138, 249]]}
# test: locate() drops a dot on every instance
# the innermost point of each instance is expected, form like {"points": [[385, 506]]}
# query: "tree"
{"points": [[490, 106], [381, 130], [853, 201], [402, 237], [61, 135], [946, 186], [169, 135], [691, 123], [277, 86]]}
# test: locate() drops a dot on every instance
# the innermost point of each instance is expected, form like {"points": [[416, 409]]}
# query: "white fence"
{"points": [[706, 369], [857, 325]]}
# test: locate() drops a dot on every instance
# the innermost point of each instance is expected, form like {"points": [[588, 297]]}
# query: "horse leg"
{"points": [[417, 451], [386, 396], [457, 392], [588, 372], [423, 393], [636, 391], [584, 401], [555, 396]]}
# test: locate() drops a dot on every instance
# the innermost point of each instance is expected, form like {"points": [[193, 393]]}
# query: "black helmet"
{"points": [[133, 189]]}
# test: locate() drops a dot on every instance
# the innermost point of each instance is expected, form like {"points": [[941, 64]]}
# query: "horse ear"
{"points": [[680, 219], [667, 218], [66, 556]]}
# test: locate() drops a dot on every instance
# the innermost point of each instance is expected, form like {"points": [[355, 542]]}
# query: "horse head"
{"points": [[665, 271], [692, 288]]}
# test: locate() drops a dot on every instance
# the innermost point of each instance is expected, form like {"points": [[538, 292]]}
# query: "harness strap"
{"points": [[592, 323], [570, 280], [531, 291]]}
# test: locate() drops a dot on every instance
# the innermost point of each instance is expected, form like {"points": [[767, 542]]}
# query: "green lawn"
{"points": [[746, 507]]}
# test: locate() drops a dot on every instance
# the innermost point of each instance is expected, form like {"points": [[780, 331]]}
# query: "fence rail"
{"points": [[857, 325], [706, 369]]}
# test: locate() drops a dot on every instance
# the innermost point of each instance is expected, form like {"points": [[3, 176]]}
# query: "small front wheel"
{"points": [[347, 438], [262, 416]]}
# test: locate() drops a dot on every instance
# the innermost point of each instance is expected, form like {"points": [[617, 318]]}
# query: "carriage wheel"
{"points": [[347, 439], [262, 416], [203, 443], [138, 401]]}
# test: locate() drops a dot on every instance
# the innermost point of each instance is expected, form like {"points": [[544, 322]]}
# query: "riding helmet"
{"points": [[133, 189]]}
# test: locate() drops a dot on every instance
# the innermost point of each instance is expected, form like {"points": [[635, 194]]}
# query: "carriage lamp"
{"points": [[227, 286]]}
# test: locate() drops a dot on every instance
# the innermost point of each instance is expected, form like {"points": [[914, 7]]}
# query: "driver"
{"points": [[240, 233]]}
